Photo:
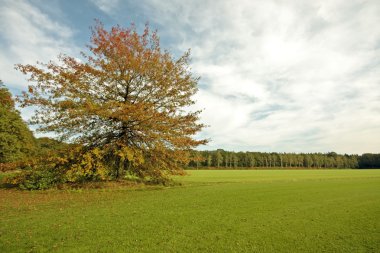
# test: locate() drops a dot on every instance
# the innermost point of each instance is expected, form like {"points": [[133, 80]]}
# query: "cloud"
{"points": [[283, 76], [107, 6], [276, 75], [29, 35]]}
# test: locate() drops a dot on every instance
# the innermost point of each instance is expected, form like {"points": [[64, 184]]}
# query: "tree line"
{"points": [[230, 160]]}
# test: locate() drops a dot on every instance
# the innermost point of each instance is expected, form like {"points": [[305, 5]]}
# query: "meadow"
{"points": [[212, 211]]}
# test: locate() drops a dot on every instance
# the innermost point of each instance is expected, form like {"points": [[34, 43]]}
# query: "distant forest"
{"points": [[229, 160]]}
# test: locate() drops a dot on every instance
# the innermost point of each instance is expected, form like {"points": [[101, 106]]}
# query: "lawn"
{"points": [[213, 211]]}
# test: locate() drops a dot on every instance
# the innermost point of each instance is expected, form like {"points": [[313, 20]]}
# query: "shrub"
{"points": [[36, 179], [79, 165], [8, 167], [86, 166]]}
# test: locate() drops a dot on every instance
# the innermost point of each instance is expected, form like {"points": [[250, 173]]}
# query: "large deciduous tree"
{"points": [[127, 97], [16, 140]]}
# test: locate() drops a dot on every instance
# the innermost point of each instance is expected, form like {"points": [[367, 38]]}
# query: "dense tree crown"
{"points": [[16, 140], [128, 97]]}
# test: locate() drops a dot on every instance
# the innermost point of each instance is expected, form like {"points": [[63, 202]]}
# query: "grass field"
{"points": [[214, 211]]}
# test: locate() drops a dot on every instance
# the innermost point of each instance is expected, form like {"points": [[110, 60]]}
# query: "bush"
{"points": [[82, 165], [38, 179], [7, 167]]}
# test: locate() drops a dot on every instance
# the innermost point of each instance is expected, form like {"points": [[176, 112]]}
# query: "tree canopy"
{"points": [[127, 97], [16, 140]]}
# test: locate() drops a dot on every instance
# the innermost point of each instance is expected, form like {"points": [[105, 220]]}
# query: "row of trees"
{"points": [[227, 159]]}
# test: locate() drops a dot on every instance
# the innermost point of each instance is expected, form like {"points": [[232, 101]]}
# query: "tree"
{"points": [[218, 158], [369, 161], [209, 160], [127, 97], [235, 160], [50, 147], [16, 140]]}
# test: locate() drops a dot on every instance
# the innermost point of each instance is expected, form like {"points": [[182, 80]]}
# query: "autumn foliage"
{"points": [[126, 104]]}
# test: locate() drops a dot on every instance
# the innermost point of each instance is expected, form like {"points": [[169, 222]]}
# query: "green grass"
{"points": [[214, 211]]}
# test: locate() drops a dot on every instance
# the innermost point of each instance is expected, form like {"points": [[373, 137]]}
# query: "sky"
{"points": [[276, 76]]}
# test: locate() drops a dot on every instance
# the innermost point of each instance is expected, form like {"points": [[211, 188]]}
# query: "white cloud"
{"points": [[276, 75], [107, 6], [283, 76], [28, 35]]}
